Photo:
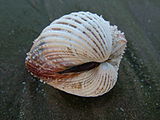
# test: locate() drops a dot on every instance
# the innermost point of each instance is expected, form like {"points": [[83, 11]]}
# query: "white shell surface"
{"points": [[76, 39]]}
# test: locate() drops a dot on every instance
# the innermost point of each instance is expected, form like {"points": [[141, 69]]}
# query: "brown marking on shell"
{"points": [[76, 85], [48, 73]]}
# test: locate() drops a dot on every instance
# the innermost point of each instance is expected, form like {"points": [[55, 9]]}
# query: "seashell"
{"points": [[78, 53]]}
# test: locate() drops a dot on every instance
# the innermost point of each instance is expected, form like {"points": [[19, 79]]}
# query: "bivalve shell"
{"points": [[78, 53]]}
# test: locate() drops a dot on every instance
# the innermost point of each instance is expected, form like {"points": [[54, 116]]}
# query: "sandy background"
{"points": [[136, 95]]}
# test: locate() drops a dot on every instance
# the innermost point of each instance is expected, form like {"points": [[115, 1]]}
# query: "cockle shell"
{"points": [[78, 53]]}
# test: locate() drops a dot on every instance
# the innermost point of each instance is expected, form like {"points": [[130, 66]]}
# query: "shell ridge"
{"points": [[88, 31], [98, 32]]}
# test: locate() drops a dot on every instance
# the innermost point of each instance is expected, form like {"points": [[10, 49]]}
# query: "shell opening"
{"points": [[81, 68]]}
